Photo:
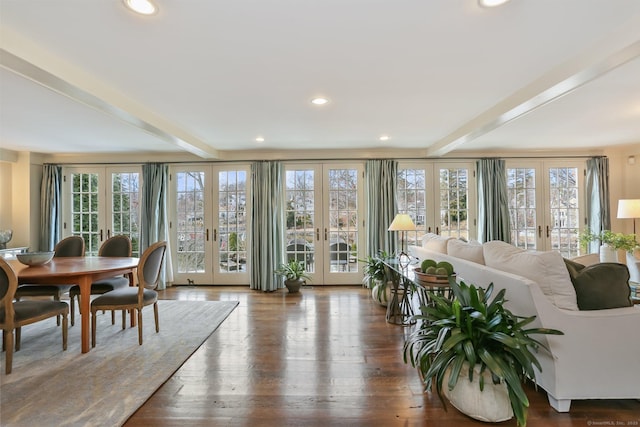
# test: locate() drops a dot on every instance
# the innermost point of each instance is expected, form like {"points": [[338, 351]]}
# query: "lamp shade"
{"points": [[402, 222], [629, 208]]}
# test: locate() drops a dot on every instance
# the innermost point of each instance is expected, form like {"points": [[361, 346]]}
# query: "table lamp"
{"points": [[629, 208], [403, 223]]}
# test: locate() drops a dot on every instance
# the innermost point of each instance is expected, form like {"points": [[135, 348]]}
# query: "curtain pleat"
{"points": [[50, 202], [493, 207], [597, 188], [154, 221], [380, 203], [267, 224]]}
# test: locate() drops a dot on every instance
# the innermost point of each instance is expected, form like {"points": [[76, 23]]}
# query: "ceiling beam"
{"points": [[29, 61], [551, 86]]}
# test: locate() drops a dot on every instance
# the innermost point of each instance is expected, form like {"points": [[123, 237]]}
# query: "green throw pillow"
{"points": [[573, 267], [602, 286]]}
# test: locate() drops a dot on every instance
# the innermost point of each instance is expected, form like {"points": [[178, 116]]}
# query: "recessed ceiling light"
{"points": [[384, 138], [143, 7], [491, 3], [260, 139], [319, 101]]}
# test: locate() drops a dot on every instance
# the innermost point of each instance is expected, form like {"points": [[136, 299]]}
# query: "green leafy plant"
{"points": [[472, 328], [373, 268], [626, 242], [293, 270]]}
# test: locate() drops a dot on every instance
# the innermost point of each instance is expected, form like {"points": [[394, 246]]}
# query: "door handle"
{"points": [[215, 234], [438, 231], [547, 231], [429, 229], [539, 231], [317, 234], [101, 235], [325, 234], [206, 233], [108, 233]]}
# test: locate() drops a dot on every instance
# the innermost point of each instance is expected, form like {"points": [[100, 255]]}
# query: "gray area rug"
{"points": [[51, 387]]}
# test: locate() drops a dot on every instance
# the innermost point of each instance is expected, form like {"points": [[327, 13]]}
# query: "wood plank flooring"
{"points": [[324, 357]]}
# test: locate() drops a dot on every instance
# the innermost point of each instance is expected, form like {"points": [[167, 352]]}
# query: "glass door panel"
{"points": [[301, 229], [125, 208], [454, 202], [522, 183], [191, 245], [86, 212], [563, 227], [230, 232], [342, 226]]}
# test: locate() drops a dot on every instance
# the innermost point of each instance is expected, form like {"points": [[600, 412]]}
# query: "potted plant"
{"points": [[611, 243], [375, 277], [294, 275], [472, 344]]}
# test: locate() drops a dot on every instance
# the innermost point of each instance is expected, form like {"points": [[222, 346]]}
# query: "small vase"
{"points": [[608, 253]]}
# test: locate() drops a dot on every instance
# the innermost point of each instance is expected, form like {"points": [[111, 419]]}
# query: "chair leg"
{"points": [[155, 315], [140, 325], [57, 298], [93, 328], [124, 319], [7, 341], [113, 317], [72, 307], [65, 326], [17, 341]]}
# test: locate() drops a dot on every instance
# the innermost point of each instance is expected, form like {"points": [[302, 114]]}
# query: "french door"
{"points": [[101, 202], [209, 229], [439, 197], [546, 204], [324, 222]]}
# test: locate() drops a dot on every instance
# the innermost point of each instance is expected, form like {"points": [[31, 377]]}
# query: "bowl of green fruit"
{"points": [[434, 272]]}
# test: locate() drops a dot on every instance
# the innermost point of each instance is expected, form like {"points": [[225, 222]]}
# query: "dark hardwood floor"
{"points": [[324, 357]]}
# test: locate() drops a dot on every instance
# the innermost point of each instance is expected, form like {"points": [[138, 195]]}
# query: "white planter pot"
{"points": [[490, 405], [633, 263], [381, 292], [608, 254]]}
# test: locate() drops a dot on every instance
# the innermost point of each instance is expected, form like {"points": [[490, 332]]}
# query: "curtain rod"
{"points": [[334, 159]]}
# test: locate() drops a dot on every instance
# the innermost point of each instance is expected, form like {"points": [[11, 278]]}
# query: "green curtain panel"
{"points": [[597, 195], [51, 211], [267, 225], [493, 206], [154, 221], [380, 202]]}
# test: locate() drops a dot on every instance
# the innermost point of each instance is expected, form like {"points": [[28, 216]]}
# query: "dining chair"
{"points": [[115, 246], [134, 297], [72, 246], [15, 315]]}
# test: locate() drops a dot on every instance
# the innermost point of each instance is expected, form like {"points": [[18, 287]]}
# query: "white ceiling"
{"points": [[209, 76]]}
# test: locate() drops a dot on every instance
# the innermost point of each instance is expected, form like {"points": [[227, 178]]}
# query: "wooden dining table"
{"points": [[81, 271]]}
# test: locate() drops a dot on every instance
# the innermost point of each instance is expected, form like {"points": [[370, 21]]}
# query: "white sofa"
{"points": [[596, 358]]}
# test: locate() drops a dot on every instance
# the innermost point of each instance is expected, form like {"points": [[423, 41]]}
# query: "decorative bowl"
{"points": [[35, 258], [431, 278]]}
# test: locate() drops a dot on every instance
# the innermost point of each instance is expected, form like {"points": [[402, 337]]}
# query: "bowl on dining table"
{"points": [[34, 258]]}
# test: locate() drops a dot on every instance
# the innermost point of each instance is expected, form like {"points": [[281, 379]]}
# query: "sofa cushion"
{"points": [[602, 286], [546, 268], [471, 251], [435, 243]]}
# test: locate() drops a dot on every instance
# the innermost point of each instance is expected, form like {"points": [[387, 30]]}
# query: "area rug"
{"points": [[51, 387]]}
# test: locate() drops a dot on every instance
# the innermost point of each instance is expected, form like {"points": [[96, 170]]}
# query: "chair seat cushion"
{"points": [[103, 286], [40, 290], [125, 296], [29, 309]]}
